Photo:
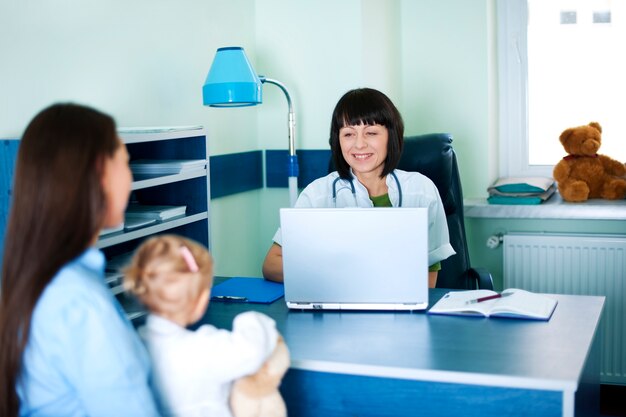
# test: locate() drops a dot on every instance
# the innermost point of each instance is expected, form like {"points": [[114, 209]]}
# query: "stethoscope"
{"points": [[353, 189]]}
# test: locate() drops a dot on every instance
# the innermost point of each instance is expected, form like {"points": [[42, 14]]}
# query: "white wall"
{"points": [[320, 49], [144, 62], [447, 81]]}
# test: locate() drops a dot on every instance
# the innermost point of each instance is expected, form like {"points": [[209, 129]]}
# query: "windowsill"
{"points": [[554, 208]]}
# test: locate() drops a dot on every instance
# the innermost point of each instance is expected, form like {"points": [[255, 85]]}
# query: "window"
{"points": [[561, 64]]}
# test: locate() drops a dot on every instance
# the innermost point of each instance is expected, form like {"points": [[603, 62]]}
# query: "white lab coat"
{"points": [[417, 191], [194, 370]]}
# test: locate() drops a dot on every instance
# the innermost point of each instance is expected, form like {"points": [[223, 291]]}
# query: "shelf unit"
{"points": [[189, 188]]}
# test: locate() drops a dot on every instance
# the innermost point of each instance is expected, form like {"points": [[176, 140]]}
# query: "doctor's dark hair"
{"points": [[58, 207], [369, 107]]}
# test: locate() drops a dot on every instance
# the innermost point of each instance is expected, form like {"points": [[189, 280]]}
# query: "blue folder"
{"points": [[247, 290]]}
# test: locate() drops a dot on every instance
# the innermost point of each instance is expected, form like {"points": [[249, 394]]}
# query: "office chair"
{"points": [[433, 156]]}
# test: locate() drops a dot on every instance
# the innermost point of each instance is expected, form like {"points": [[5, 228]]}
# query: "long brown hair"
{"points": [[58, 208]]}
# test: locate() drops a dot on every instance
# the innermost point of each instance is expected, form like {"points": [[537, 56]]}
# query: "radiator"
{"points": [[576, 264]]}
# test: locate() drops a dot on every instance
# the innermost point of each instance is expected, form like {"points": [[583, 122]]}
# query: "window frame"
{"points": [[512, 46]]}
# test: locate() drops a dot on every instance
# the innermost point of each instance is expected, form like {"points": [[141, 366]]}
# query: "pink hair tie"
{"points": [[189, 260]]}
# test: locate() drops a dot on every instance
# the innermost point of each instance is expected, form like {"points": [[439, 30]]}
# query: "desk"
{"points": [[408, 364]]}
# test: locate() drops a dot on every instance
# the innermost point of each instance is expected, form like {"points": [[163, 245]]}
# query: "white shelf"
{"points": [[168, 179], [117, 238], [151, 135], [189, 188]]}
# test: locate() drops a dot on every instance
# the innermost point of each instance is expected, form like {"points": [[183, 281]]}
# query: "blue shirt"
{"points": [[83, 356]]}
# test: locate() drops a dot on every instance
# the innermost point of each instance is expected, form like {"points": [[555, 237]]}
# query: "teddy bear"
{"points": [[257, 395], [584, 173]]}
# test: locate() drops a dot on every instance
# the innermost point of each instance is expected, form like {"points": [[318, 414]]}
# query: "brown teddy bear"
{"points": [[585, 174], [257, 395]]}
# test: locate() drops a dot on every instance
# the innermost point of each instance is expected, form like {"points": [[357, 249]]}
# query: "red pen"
{"points": [[489, 297]]}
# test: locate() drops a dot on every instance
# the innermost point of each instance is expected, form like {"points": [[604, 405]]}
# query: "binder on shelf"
{"points": [[165, 166], [157, 213]]}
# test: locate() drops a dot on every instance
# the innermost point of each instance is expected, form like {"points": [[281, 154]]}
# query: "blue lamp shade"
{"points": [[232, 81]]}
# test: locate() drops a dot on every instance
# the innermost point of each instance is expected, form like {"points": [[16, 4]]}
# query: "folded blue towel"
{"points": [[498, 199], [519, 188], [521, 185], [536, 198]]}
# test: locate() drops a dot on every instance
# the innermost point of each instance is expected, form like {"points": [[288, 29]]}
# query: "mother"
{"points": [[66, 347]]}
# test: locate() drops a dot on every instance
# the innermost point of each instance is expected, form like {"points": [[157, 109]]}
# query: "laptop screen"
{"points": [[360, 258]]}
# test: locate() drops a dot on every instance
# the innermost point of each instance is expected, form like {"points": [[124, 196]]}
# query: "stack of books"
{"points": [[152, 167], [521, 190], [151, 214]]}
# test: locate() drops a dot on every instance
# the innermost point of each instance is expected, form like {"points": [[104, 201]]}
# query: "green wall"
{"points": [[448, 80], [437, 66], [145, 61]]}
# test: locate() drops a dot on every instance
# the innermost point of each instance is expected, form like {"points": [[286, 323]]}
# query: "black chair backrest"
{"points": [[433, 156]]}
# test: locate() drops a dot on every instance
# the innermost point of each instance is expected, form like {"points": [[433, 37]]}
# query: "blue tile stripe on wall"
{"points": [[313, 164], [8, 156], [230, 173], [235, 173]]}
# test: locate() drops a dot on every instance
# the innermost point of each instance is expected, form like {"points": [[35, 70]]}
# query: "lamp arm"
{"points": [[293, 169], [291, 116]]}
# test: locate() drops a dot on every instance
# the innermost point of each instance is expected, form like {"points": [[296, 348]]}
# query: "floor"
{"points": [[613, 400]]}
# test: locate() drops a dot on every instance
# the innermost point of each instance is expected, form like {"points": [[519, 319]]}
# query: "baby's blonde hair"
{"points": [[162, 276]]}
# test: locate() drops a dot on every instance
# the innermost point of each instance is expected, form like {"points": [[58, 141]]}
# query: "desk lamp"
{"points": [[232, 82]]}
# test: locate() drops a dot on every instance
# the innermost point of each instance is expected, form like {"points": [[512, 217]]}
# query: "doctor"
{"points": [[366, 139]]}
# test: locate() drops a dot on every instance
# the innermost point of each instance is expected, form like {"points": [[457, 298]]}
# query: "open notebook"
{"points": [[355, 258], [512, 303]]}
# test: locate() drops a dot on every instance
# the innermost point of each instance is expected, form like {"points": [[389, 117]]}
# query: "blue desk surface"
{"points": [[487, 351], [521, 361]]}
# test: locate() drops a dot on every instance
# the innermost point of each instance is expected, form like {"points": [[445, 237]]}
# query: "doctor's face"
{"points": [[364, 147]]}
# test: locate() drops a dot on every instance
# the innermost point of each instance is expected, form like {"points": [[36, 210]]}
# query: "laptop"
{"points": [[355, 258]]}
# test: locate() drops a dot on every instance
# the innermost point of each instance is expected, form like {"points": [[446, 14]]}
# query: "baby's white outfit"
{"points": [[194, 370]]}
